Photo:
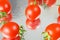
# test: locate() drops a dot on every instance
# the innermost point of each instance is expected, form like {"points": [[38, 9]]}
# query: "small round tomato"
{"points": [[5, 6], [32, 24], [32, 12], [16, 38], [53, 31], [30, 2], [10, 30]]}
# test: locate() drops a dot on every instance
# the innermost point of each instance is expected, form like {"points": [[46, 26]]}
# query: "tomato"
{"points": [[9, 17], [17, 38], [32, 24], [5, 6], [58, 19], [59, 10], [32, 12], [49, 3], [6, 18], [10, 30], [32, 2], [53, 30]]}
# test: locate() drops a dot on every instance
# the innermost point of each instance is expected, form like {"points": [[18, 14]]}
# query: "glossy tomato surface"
{"points": [[10, 30], [32, 12], [32, 24], [16, 38], [5, 6], [54, 31]]}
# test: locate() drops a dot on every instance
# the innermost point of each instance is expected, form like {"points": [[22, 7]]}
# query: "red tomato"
{"points": [[9, 17], [17, 38], [32, 12], [32, 24], [49, 3], [58, 19], [10, 30], [30, 2], [5, 6], [6, 18], [59, 10], [53, 30]]}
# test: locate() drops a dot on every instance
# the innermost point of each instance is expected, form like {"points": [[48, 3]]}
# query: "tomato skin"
{"points": [[32, 24], [10, 30], [9, 17], [17, 38], [49, 3], [59, 10], [5, 6], [32, 12], [30, 2], [53, 30]]}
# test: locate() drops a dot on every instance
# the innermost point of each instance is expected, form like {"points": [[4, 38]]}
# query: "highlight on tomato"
{"points": [[17, 38], [33, 24]]}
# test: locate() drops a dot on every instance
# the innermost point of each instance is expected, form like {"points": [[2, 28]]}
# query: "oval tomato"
{"points": [[49, 3], [53, 30], [10, 30], [32, 12], [5, 6], [17, 38], [32, 24], [30, 2]]}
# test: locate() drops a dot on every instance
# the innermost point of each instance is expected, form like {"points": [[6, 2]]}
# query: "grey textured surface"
{"points": [[47, 16]]}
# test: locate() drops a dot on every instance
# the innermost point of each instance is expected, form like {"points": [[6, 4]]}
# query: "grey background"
{"points": [[47, 17]]}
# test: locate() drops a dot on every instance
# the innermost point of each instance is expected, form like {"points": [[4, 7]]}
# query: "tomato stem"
{"points": [[21, 32], [3, 14], [46, 36]]}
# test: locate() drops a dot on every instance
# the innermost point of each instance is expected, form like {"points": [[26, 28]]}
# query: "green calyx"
{"points": [[3, 14], [46, 36], [21, 32]]}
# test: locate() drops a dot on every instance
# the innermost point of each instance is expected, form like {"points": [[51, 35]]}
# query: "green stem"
{"points": [[21, 32], [46, 36]]}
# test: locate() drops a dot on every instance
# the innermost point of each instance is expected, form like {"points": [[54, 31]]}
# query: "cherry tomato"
{"points": [[58, 19], [5, 6], [6, 18], [17, 38], [53, 30], [10, 30], [9, 17], [59, 10], [32, 24], [30, 2], [49, 3], [32, 12]]}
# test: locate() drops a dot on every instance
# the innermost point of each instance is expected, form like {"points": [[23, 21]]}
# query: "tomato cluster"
{"points": [[32, 13], [5, 11]]}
